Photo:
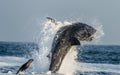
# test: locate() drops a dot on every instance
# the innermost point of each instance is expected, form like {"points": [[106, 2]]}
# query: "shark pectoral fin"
{"points": [[75, 41]]}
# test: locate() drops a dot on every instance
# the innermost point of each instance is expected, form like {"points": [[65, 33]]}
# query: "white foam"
{"points": [[93, 67]]}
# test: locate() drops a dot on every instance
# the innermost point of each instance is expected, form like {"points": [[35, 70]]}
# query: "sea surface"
{"points": [[94, 59]]}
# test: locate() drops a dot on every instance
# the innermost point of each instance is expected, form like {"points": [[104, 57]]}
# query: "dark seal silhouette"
{"points": [[66, 37], [25, 66]]}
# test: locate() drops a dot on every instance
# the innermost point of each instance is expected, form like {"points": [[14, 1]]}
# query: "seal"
{"points": [[66, 37], [25, 66]]}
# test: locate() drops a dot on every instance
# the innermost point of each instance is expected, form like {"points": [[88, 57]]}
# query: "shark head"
{"points": [[83, 32]]}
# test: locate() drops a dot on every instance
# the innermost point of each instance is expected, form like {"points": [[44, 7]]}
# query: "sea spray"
{"points": [[99, 33], [44, 40]]}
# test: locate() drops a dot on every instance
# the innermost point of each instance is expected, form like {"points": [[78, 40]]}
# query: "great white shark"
{"points": [[66, 37]]}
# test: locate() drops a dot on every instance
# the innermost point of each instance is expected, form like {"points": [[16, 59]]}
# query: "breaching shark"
{"points": [[66, 37]]}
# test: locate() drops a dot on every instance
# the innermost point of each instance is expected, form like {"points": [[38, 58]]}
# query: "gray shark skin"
{"points": [[66, 37]]}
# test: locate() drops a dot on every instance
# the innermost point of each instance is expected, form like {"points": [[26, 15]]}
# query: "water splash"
{"points": [[100, 33], [44, 40]]}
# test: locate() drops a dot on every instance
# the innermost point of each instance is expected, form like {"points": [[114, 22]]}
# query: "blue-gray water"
{"points": [[98, 54]]}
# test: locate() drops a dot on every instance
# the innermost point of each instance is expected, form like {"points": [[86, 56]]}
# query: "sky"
{"points": [[19, 18]]}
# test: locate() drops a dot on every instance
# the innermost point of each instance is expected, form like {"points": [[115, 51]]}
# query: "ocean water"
{"points": [[93, 59], [82, 60]]}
